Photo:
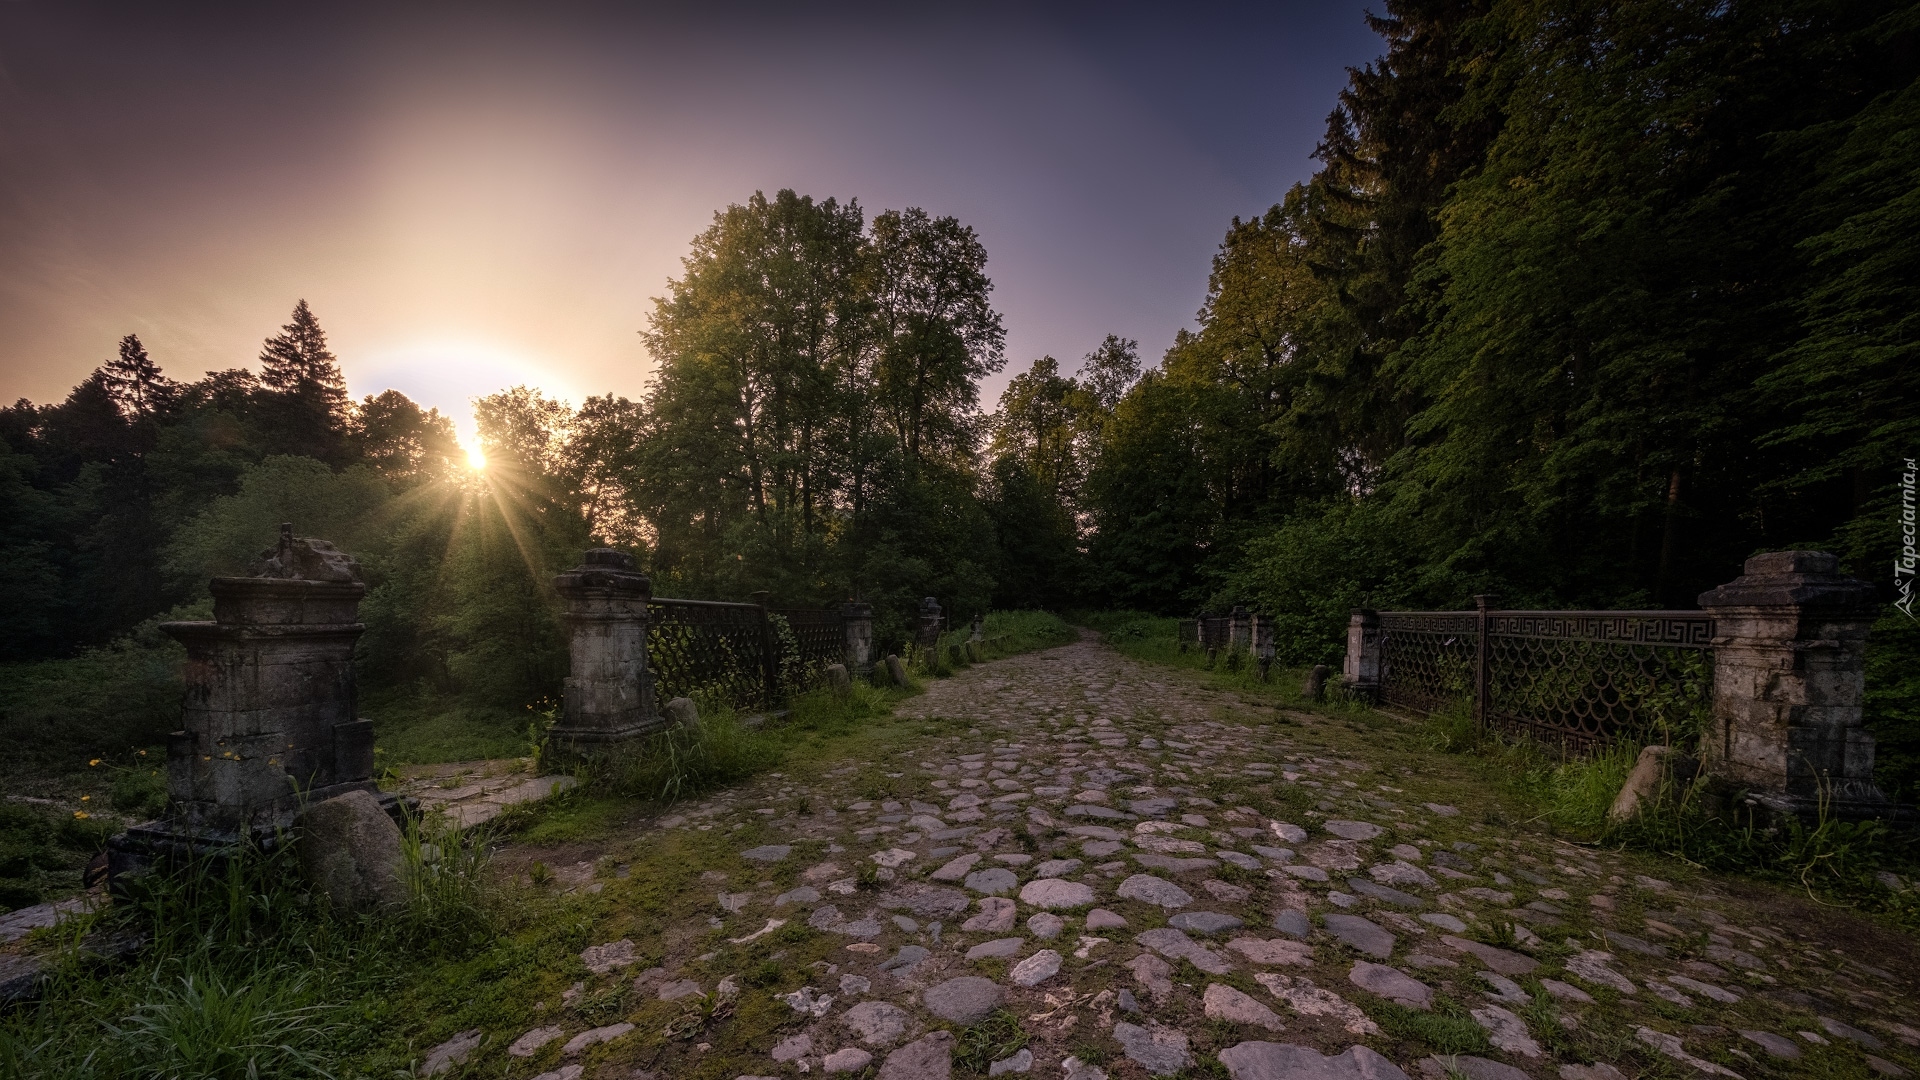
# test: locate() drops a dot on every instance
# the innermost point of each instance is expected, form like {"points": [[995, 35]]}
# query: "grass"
{"points": [[1003, 633], [1446, 1029], [1701, 822], [1155, 639], [979, 1046], [246, 972]]}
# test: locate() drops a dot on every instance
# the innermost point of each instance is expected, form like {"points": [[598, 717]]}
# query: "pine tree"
{"points": [[304, 397], [135, 382]]}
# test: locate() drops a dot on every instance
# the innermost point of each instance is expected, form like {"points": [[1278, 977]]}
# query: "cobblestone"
{"points": [[1071, 828]]}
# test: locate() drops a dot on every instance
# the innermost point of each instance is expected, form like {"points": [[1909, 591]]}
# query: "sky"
{"points": [[476, 196]]}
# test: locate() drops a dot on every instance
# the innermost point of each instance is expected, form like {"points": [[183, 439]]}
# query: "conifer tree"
{"points": [[303, 395], [136, 384]]}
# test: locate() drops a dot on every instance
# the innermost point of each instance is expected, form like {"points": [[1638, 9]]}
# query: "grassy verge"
{"points": [[1701, 822], [247, 973], [1568, 795], [243, 971], [1002, 634]]}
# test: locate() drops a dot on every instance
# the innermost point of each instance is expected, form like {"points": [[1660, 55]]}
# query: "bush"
{"points": [[55, 715]]}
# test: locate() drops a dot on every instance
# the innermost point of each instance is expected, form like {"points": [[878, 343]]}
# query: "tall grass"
{"points": [[683, 761], [242, 971], [1705, 822]]}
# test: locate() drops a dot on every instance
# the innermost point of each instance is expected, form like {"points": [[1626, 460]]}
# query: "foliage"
{"points": [[1587, 302], [1696, 820], [682, 761], [245, 972]]}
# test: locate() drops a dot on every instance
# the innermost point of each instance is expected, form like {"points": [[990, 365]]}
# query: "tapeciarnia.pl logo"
{"points": [[1904, 565]]}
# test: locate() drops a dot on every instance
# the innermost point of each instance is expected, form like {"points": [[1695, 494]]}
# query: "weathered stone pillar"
{"points": [[1360, 672], [1789, 652], [268, 720], [1239, 629], [930, 623], [609, 693], [857, 619], [1261, 644]]}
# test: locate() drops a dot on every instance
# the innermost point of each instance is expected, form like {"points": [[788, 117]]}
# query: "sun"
{"points": [[476, 459]]}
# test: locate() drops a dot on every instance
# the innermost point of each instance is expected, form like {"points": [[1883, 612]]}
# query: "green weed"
{"points": [[998, 1036], [1447, 1028]]}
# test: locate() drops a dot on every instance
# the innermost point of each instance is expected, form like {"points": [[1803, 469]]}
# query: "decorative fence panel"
{"points": [[705, 649], [819, 639], [1580, 678], [746, 655], [1431, 657], [1588, 677]]}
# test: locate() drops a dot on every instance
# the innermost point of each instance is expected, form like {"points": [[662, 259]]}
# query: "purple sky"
{"points": [[472, 197]]}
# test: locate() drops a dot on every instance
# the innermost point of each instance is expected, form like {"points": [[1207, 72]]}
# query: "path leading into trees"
{"points": [[1095, 867]]}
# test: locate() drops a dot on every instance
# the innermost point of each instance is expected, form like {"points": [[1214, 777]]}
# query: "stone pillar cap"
{"points": [[607, 559], [1806, 579], [604, 568]]}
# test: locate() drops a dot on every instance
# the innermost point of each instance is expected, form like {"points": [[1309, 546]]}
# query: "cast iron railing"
{"points": [[1580, 678], [712, 652], [744, 655], [815, 639]]}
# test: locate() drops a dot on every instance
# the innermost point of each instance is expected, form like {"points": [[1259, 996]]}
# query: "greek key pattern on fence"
{"points": [[1579, 678], [1676, 629]]}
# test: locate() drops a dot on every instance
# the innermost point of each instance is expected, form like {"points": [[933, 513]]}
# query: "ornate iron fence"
{"points": [[815, 638], [1581, 678], [712, 652], [1431, 655], [745, 655]]}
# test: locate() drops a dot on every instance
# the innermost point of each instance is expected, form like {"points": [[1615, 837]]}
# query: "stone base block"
{"points": [[177, 840], [583, 742], [1852, 801]]}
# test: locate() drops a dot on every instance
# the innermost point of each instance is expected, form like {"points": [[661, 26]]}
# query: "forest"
{"points": [[1586, 301]]}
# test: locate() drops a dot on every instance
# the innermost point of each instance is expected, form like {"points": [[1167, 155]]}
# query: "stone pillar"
{"points": [[609, 693], [930, 623], [1789, 652], [1261, 643], [268, 720], [1360, 672], [1239, 629], [857, 619], [1483, 657]]}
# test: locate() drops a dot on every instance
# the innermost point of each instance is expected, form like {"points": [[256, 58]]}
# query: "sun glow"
{"points": [[476, 458]]}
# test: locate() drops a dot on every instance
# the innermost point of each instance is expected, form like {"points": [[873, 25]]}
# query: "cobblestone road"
{"points": [[1139, 876]]}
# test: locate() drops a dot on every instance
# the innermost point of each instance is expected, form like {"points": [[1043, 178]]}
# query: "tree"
{"points": [[404, 444], [938, 333], [1038, 424], [303, 395], [135, 383]]}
